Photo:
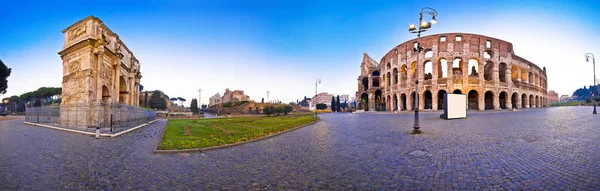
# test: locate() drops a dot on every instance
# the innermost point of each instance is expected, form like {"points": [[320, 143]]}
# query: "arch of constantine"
{"points": [[486, 69], [99, 72]]}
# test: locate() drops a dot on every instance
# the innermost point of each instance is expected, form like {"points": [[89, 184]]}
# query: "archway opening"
{"points": [[388, 79], [105, 95], [375, 82], [523, 100], [395, 102], [473, 100], [403, 71], [489, 100], [513, 100], [395, 76], [379, 102], [364, 99], [537, 101], [488, 69], [403, 101], [442, 68], [375, 73], [503, 97], [412, 104], [365, 84], [428, 70], [457, 67], [457, 91], [428, 54], [473, 67], [428, 100], [514, 73], [122, 90], [440, 96], [531, 101], [523, 75], [413, 69], [502, 72]]}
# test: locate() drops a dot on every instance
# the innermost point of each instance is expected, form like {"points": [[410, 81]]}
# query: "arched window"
{"points": [[428, 54], [428, 70], [457, 66], [442, 68], [502, 71], [473, 67], [488, 69]]}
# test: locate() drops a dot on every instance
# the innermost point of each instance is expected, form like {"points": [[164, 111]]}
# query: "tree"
{"points": [[194, 105], [156, 102], [287, 109], [337, 104], [321, 106], [146, 98], [333, 104], [204, 106], [141, 87], [181, 100], [4, 73], [262, 100], [268, 110], [173, 100]]}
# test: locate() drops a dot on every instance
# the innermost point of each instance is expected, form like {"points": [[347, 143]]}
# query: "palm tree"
{"points": [[173, 100]]}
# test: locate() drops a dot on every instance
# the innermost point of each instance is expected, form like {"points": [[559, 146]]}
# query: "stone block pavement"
{"points": [[533, 149]]}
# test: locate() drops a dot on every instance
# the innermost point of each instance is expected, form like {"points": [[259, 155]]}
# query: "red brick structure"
{"points": [[486, 69]]}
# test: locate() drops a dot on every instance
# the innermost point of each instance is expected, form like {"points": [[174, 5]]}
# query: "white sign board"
{"points": [[455, 106]]}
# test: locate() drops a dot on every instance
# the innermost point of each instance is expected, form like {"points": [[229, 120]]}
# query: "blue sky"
{"points": [[283, 46]]}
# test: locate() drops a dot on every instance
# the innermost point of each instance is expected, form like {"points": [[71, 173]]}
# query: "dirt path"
{"points": [[220, 128]]}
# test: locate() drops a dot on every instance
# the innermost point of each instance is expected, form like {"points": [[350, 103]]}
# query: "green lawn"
{"points": [[199, 133]]}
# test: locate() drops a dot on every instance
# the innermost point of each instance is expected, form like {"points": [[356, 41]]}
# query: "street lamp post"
{"points": [[587, 57], [316, 83], [423, 26]]}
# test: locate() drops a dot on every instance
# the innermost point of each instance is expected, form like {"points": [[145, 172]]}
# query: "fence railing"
{"points": [[109, 117]]}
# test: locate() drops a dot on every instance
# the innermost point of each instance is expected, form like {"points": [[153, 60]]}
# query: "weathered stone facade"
{"points": [[97, 67], [484, 68]]}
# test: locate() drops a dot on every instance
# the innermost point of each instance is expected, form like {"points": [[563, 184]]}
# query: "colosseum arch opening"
{"points": [[457, 66], [428, 100], [488, 54], [473, 99], [364, 101], [530, 80], [440, 97], [388, 79], [514, 73], [428, 53], [428, 70], [503, 98], [488, 71], [457, 91], [403, 101], [489, 100], [365, 84], [395, 103], [513, 100], [442, 68], [375, 73], [395, 76], [502, 71], [375, 82], [523, 75], [531, 101], [379, 102], [105, 95], [473, 67], [123, 92]]}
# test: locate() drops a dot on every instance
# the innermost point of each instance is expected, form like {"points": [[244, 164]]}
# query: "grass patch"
{"points": [[200, 133], [559, 104]]}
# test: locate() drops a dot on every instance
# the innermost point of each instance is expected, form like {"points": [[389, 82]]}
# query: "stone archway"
{"points": [[513, 100], [489, 100], [403, 101], [365, 84], [457, 91], [428, 99], [531, 101], [364, 99], [123, 90], [523, 101], [395, 102], [105, 95], [441, 94], [503, 98], [379, 102], [473, 100]]}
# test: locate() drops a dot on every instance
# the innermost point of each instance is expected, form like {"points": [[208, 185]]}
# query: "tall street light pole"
{"points": [[423, 26], [200, 97], [316, 83], [587, 59]]}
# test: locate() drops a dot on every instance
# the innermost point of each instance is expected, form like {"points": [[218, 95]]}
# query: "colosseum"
{"points": [[486, 69]]}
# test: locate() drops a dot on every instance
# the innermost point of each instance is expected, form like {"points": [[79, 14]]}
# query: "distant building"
{"points": [[345, 98], [552, 97], [234, 96], [215, 99], [228, 96], [322, 97], [565, 98]]}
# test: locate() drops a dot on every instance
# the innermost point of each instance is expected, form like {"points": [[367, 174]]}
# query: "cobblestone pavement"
{"points": [[536, 149]]}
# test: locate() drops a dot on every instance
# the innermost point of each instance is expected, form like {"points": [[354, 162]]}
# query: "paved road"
{"points": [[544, 149]]}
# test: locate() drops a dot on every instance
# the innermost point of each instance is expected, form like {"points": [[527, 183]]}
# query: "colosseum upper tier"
{"points": [[484, 68]]}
